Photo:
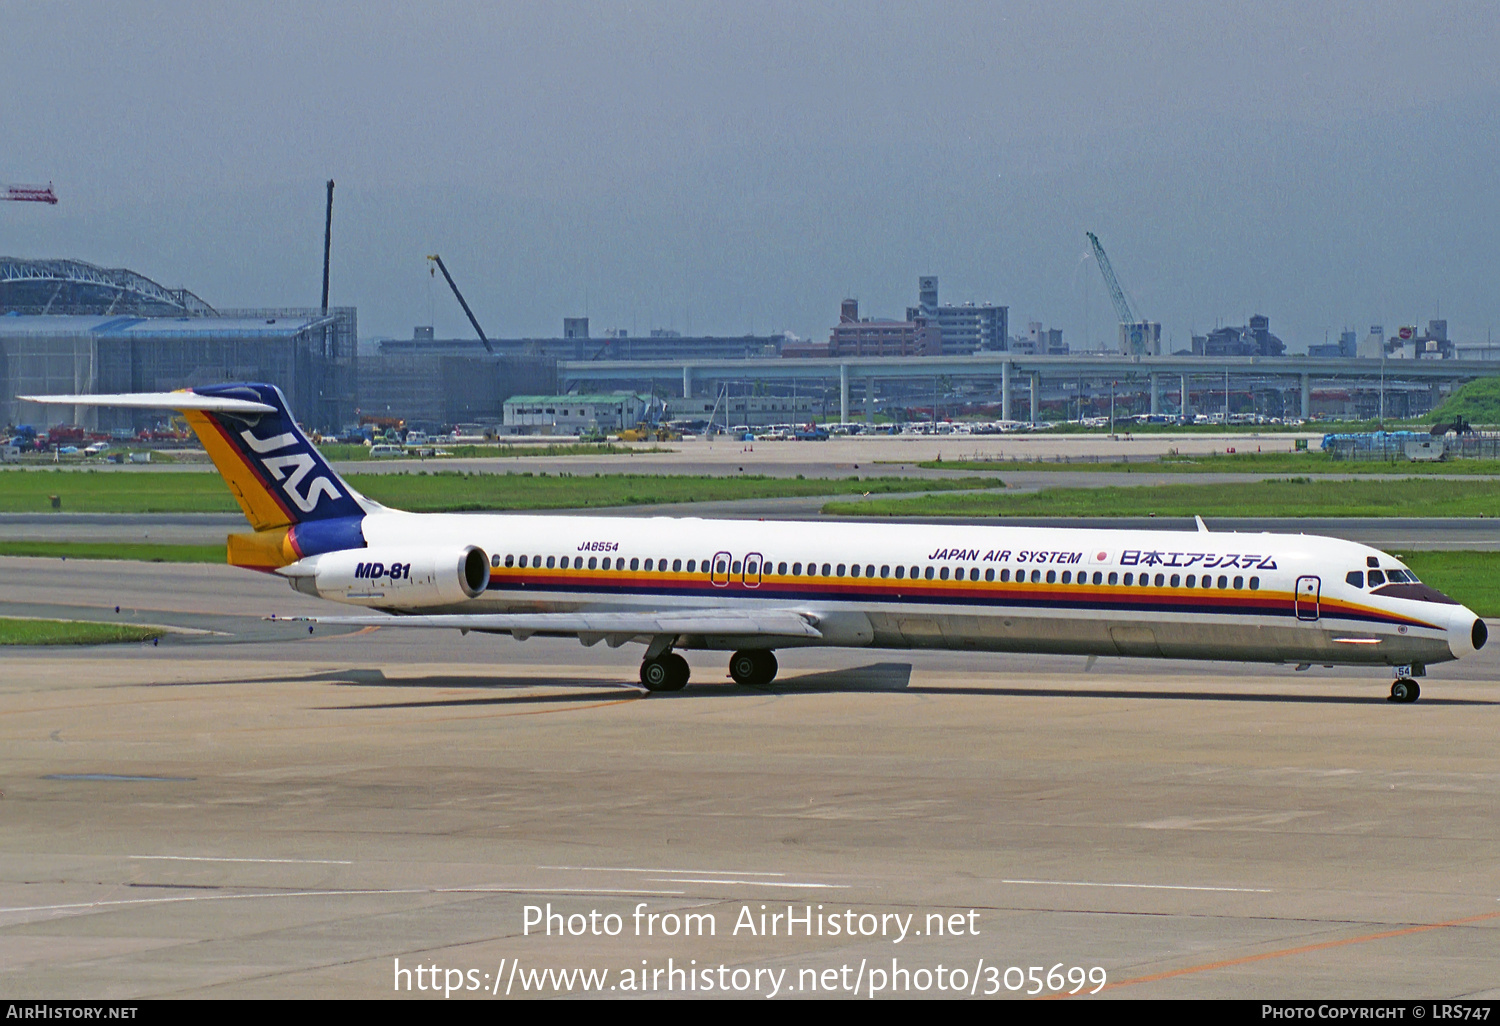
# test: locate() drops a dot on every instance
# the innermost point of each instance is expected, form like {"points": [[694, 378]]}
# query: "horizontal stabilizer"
{"points": [[156, 401], [766, 623]]}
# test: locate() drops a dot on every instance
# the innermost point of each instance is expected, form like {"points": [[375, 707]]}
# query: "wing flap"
{"points": [[614, 627]]}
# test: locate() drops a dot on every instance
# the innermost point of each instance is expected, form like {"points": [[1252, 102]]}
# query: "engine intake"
{"points": [[399, 578]]}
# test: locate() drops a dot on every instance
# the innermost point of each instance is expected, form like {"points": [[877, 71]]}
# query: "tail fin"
{"points": [[278, 477], [293, 499]]}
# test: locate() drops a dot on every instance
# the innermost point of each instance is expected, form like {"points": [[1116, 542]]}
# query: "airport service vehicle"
{"points": [[751, 587]]}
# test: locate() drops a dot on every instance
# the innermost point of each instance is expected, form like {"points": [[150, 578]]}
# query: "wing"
{"points": [[614, 627]]}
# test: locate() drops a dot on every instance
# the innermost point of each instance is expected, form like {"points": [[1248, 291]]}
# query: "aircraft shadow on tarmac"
{"points": [[873, 678], [1374, 698]]}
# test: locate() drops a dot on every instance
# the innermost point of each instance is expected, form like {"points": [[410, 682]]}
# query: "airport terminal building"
{"points": [[70, 327]]}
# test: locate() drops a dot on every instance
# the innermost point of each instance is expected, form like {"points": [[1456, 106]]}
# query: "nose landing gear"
{"points": [[666, 672], [753, 668], [1405, 690]]}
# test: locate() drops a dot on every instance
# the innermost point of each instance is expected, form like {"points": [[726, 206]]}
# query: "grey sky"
{"points": [[729, 166]]}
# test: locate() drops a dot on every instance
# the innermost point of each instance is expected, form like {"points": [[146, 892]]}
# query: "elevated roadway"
{"points": [[1176, 372]]}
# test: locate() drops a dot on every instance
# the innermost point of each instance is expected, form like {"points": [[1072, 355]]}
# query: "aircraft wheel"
{"points": [[680, 672], [1405, 690], [667, 672], [753, 668], [742, 667]]}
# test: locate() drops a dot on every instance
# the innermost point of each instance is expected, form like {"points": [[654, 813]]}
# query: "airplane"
{"points": [[751, 588]]}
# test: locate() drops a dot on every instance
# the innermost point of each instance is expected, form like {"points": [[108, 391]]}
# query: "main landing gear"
{"points": [[755, 667], [666, 672], [669, 671], [1405, 690]]}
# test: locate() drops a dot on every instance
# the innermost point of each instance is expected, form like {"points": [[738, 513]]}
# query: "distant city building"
{"points": [[806, 348], [615, 344], [964, 328], [1039, 341], [1346, 348], [1373, 346], [856, 337], [1434, 343], [1254, 339], [1143, 338]]}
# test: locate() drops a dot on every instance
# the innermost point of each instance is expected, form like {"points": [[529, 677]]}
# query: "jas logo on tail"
{"points": [[291, 469]]}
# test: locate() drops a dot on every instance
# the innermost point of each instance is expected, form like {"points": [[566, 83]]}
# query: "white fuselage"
{"points": [[1200, 595]]}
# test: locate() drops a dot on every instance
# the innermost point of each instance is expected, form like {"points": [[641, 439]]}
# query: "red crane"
{"points": [[29, 193]]}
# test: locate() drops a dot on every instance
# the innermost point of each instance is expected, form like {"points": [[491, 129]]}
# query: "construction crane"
{"points": [[327, 244], [29, 193], [461, 302], [1116, 293], [1135, 328]]}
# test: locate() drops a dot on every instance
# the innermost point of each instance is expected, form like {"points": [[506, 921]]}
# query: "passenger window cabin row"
{"points": [[734, 568], [595, 563]]}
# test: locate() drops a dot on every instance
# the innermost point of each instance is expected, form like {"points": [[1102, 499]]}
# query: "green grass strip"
{"points": [[71, 632], [115, 491], [1291, 497], [144, 491], [1232, 463]]}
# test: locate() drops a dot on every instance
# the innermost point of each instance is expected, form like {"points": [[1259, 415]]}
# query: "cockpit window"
{"points": [[1355, 578], [1375, 577], [1400, 577]]}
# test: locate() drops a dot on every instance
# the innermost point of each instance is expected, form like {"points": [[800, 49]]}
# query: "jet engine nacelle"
{"points": [[399, 577]]}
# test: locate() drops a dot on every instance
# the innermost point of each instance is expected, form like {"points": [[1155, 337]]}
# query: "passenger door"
{"points": [[754, 566], [719, 575], [1307, 597]]}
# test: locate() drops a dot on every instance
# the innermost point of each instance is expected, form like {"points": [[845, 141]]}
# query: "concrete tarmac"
{"points": [[256, 812]]}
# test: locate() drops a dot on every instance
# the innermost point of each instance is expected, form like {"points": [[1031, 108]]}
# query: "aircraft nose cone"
{"points": [[1467, 633]]}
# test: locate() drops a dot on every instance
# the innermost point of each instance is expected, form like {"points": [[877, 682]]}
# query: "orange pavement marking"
{"points": [[1304, 949]]}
